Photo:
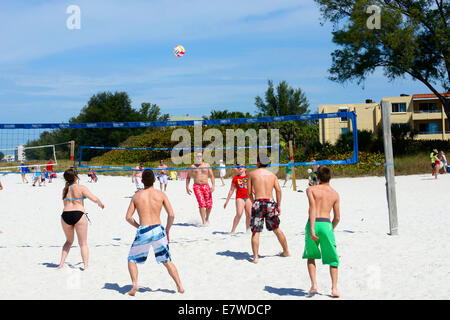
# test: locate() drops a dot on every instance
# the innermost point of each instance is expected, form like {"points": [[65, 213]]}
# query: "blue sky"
{"points": [[48, 72]]}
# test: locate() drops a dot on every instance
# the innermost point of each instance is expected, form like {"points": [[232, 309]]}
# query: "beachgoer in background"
{"points": [[50, 171], [201, 171], [443, 159], [137, 175], [150, 232], [288, 174], [222, 172], [162, 175], [239, 183], [320, 230], [23, 172], [437, 163]]}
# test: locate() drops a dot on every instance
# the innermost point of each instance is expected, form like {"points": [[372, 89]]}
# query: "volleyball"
{"points": [[309, 170], [179, 51]]}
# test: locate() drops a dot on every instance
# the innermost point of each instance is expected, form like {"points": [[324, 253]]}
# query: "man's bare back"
{"points": [[262, 183], [148, 203]]}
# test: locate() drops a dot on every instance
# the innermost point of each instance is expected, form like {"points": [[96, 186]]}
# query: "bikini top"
{"points": [[69, 199]]}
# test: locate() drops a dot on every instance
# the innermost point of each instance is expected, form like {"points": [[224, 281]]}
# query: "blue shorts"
{"points": [[146, 236]]}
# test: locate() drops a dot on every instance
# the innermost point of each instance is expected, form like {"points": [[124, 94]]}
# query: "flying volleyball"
{"points": [[179, 51]]}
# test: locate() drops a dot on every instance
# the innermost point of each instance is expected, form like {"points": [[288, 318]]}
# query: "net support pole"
{"points": [[291, 153], [389, 168], [72, 150]]}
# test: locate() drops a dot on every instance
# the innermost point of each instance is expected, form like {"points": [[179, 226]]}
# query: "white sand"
{"points": [[214, 265]]}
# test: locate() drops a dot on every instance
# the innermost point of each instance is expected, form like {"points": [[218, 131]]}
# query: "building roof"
{"points": [[429, 96]]}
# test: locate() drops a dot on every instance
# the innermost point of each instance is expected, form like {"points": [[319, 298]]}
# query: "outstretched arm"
{"points": [[88, 194]]}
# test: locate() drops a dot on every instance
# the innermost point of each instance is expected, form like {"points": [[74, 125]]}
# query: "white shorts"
{"points": [[138, 182], [163, 178], [222, 173]]}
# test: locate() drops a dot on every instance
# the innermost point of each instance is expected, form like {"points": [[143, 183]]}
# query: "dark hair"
{"points": [[148, 177], [324, 174], [262, 164], [70, 175]]}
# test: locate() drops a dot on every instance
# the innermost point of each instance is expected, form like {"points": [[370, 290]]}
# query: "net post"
{"points": [[72, 150], [291, 153], [389, 168]]}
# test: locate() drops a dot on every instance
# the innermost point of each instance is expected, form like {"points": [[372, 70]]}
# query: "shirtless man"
{"points": [[203, 192], [136, 177], [162, 176], [262, 182], [150, 232], [319, 229]]}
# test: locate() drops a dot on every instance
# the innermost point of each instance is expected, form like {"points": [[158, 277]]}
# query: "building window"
{"points": [[428, 128], [343, 119], [398, 107], [344, 130], [427, 107]]}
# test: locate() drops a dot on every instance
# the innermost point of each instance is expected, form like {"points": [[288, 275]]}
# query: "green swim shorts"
{"points": [[327, 243]]}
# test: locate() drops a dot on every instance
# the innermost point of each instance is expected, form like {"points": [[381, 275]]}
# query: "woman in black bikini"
{"points": [[74, 217]]}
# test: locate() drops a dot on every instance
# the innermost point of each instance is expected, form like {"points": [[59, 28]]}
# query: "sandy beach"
{"points": [[215, 265]]}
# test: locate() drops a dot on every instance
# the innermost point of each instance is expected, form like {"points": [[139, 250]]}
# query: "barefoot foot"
{"points": [[133, 291], [313, 290], [335, 293]]}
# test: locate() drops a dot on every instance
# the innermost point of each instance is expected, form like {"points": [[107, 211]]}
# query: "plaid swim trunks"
{"points": [[146, 236], [264, 210]]}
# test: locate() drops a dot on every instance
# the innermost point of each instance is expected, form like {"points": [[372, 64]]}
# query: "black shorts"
{"points": [[264, 210]]}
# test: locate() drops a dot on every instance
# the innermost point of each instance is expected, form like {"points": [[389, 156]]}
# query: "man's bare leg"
{"points": [[132, 268], [208, 212], [255, 246], [334, 279], [174, 274], [203, 214], [283, 242], [312, 275]]}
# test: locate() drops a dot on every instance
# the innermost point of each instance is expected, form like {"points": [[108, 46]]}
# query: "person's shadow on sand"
{"points": [[239, 255], [127, 288], [286, 291]]}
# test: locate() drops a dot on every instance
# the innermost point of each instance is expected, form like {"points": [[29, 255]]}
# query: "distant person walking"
{"points": [[443, 159], [222, 172], [437, 163]]}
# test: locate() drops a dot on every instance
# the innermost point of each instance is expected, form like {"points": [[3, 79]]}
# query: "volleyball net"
{"points": [[279, 142]]}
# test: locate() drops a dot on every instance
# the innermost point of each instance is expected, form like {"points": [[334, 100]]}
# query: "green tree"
{"points": [[285, 101], [2, 155], [413, 40], [103, 107]]}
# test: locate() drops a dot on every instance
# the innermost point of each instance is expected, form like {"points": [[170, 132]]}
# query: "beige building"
{"points": [[424, 112]]}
